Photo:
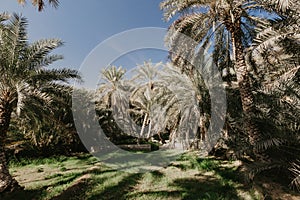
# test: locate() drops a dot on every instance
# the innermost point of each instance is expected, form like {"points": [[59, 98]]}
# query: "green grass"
{"points": [[84, 177], [38, 161]]}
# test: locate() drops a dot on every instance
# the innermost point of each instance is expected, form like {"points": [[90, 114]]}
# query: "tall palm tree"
{"points": [[276, 61], [144, 97], [226, 29], [187, 97], [144, 103], [112, 102], [40, 4], [27, 87]]}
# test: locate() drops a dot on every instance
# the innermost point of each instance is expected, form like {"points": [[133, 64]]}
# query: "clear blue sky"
{"points": [[83, 24]]}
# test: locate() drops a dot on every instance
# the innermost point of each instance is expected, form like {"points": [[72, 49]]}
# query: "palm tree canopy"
{"points": [[26, 77], [225, 30], [28, 87], [112, 81], [40, 4], [212, 23]]}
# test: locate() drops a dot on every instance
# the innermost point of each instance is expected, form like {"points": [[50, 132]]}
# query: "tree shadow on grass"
{"points": [[24, 194], [157, 174], [65, 179], [55, 181], [120, 190], [31, 194], [80, 183], [162, 194], [230, 174], [83, 183], [206, 188], [78, 190], [182, 167]]}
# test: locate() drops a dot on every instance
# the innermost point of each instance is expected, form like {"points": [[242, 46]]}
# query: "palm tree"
{"points": [[144, 103], [40, 4], [275, 60], [112, 82], [190, 97], [168, 101], [226, 29], [112, 102], [55, 133], [144, 98], [27, 87], [187, 97]]}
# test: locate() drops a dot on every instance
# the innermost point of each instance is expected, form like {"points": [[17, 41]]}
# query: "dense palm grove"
{"points": [[254, 45], [250, 42]]}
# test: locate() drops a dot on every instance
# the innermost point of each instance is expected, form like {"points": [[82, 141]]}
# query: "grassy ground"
{"points": [[83, 177]]}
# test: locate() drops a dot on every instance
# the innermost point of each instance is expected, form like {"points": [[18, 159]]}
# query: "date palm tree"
{"points": [[145, 97], [187, 98], [112, 83], [225, 28], [27, 86], [276, 62], [40, 4], [52, 133], [112, 102]]}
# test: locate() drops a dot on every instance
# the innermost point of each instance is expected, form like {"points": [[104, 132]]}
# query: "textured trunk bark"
{"points": [[7, 182], [144, 125], [149, 130], [245, 86], [142, 130]]}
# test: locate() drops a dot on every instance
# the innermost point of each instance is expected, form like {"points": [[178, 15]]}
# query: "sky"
{"points": [[84, 24]]}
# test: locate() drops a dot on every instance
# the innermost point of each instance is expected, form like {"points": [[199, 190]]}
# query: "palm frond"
{"points": [[36, 53], [113, 74], [46, 76], [173, 7], [30, 85], [40, 4], [295, 169], [280, 6]]}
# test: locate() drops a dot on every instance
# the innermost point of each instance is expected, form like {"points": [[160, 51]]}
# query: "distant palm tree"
{"points": [[112, 83], [112, 102], [27, 87], [188, 98], [165, 99], [40, 4], [144, 98]]}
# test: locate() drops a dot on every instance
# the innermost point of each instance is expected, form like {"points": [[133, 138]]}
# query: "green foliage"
{"points": [[271, 46], [207, 164], [40, 97], [211, 25], [86, 180], [111, 90], [160, 102], [37, 161], [295, 169]]}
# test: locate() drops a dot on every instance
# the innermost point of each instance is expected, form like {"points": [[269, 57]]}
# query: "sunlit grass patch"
{"points": [[84, 177]]}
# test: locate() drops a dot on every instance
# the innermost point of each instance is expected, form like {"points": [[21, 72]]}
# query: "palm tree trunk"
{"points": [[7, 182], [245, 86], [149, 130], [143, 127]]}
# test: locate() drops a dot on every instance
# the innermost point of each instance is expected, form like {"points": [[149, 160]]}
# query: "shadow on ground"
{"points": [[187, 179]]}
